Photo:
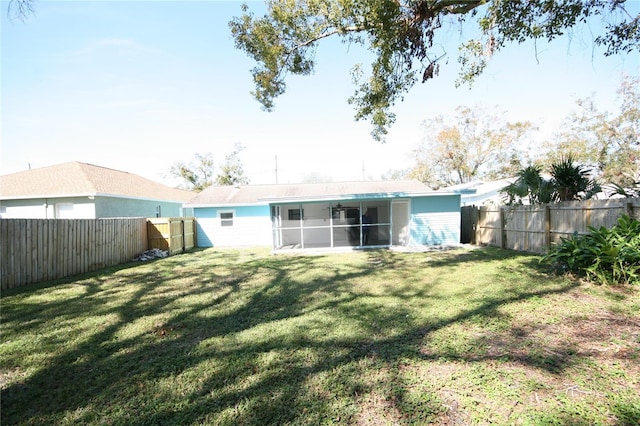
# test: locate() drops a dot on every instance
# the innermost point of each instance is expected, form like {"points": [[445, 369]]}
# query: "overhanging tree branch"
{"points": [[401, 36]]}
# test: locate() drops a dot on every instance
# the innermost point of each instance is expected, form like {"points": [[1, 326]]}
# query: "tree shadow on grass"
{"points": [[240, 342]]}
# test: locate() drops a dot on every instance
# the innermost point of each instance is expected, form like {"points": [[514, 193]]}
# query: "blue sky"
{"points": [[136, 86]]}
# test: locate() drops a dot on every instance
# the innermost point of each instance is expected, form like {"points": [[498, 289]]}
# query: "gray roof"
{"points": [[82, 179], [263, 194]]}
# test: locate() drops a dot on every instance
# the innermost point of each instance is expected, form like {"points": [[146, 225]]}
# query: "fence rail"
{"points": [[36, 250], [535, 228]]}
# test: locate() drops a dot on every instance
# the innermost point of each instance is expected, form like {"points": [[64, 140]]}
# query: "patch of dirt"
{"points": [[376, 410], [454, 415], [10, 376], [164, 330]]}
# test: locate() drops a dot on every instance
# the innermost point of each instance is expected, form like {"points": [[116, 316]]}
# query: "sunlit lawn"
{"points": [[241, 337]]}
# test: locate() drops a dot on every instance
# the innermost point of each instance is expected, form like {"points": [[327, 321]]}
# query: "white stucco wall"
{"points": [[60, 208]]}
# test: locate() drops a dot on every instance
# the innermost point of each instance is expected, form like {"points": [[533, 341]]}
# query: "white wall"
{"points": [[23, 212], [71, 208], [251, 227], [75, 211]]}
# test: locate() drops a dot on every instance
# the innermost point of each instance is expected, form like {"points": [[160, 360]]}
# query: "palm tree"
{"points": [[571, 182], [632, 191], [531, 186], [568, 182]]}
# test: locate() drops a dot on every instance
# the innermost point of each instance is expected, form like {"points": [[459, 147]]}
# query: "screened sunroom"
{"points": [[327, 224]]}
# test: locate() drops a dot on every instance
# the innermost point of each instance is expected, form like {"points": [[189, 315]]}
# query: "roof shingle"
{"points": [[76, 178], [253, 194]]}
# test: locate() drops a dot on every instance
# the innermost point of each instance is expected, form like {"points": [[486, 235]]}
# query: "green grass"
{"points": [[241, 337]]}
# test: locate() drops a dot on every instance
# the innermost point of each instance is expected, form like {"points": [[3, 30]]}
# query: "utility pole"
{"points": [[276, 170], [363, 170]]}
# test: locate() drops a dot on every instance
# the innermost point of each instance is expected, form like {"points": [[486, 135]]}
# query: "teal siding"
{"points": [[436, 204], [124, 207], [240, 211], [435, 220]]}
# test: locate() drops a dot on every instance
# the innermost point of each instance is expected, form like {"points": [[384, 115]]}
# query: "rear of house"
{"points": [[328, 215]]}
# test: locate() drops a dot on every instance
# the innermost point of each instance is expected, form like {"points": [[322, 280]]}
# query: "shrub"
{"points": [[605, 256]]}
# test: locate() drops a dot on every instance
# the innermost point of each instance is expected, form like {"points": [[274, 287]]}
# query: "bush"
{"points": [[605, 256]]}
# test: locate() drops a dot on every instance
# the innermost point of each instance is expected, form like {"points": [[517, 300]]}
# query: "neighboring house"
{"points": [[326, 215], [77, 190], [479, 192]]}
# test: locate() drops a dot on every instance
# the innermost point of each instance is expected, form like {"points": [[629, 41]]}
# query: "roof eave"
{"points": [[46, 196], [320, 198], [86, 194], [377, 195], [209, 205]]}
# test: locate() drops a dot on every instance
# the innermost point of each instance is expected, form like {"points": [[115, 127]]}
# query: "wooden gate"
{"points": [[468, 224], [172, 234]]}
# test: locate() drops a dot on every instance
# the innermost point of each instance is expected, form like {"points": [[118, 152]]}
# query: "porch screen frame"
{"points": [[337, 217]]}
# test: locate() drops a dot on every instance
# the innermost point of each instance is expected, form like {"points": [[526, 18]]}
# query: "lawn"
{"points": [[242, 337]]}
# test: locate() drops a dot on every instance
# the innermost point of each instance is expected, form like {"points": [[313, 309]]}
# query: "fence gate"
{"points": [[468, 224], [172, 234]]}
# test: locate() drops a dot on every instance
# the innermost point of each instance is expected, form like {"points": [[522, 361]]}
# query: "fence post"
{"points": [[547, 226], [526, 227], [503, 229], [476, 229], [476, 221]]}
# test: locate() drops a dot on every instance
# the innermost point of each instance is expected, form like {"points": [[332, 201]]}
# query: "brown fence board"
{"points": [[6, 264]]}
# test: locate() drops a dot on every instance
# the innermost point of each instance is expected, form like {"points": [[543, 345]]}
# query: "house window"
{"points": [[295, 214], [226, 219]]}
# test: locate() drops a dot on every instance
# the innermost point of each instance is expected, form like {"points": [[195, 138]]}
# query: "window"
{"points": [[295, 214], [226, 219]]}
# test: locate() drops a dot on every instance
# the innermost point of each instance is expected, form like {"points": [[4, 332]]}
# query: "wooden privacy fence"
{"points": [[173, 234], [535, 228], [36, 250]]}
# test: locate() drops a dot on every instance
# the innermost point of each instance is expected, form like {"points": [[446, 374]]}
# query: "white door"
{"points": [[400, 223]]}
